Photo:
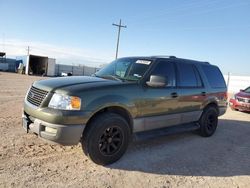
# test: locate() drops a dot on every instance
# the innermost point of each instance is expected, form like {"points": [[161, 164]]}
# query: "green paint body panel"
{"points": [[140, 101]]}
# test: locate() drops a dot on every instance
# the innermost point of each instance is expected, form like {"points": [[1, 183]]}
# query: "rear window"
{"points": [[214, 76]]}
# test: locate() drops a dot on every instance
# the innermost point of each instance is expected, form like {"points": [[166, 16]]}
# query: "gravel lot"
{"points": [[183, 160]]}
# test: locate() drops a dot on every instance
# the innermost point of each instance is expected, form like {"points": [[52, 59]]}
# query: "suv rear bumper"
{"points": [[62, 134]]}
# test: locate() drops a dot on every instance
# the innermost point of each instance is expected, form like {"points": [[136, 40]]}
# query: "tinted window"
{"points": [[188, 75], [166, 69], [131, 69], [247, 90], [214, 76], [198, 77]]}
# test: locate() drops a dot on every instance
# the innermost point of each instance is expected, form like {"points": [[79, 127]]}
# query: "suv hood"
{"points": [[56, 83]]}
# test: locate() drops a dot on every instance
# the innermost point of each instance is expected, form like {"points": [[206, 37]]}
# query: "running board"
{"points": [[144, 135]]}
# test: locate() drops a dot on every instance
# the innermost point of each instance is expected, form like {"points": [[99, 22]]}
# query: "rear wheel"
{"points": [[208, 121], [106, 138]]}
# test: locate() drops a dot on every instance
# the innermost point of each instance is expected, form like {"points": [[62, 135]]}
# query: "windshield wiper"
{"points": [[109, 76]]}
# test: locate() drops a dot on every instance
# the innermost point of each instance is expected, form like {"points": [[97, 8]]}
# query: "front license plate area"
{"points": [[246, 105]]}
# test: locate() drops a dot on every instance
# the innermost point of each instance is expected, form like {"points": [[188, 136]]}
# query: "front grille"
{"points": [[243, 100], [36, 96]]}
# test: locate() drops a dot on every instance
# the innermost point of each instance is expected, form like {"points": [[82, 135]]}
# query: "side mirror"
{"points": [[241, 90], [157, 81]]}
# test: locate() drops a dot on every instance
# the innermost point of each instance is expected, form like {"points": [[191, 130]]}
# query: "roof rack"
{"points": [[163, 56], [186, 60]]}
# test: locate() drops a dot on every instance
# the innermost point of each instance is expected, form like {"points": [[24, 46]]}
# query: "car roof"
{"points": [[153, 58]]}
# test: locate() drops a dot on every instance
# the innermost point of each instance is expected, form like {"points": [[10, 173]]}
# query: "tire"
{"points": [[208, 121], [106, 138]]}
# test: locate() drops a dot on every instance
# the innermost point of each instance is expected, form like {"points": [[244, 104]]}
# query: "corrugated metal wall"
{"points": [[75, 70], [10, 65], [237, 82]]}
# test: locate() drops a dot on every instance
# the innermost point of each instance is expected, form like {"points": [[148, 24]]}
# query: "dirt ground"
{"points": [[183, 160]]}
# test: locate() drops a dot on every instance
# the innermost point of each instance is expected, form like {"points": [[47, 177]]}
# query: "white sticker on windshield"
{"points": [[145, 62]]}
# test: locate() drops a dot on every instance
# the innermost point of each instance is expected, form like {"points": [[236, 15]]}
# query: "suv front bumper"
{"points": [[62, 134]]}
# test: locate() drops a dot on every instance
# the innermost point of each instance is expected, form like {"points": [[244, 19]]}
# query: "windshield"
{"points": [[247, 90], [131, 69]]}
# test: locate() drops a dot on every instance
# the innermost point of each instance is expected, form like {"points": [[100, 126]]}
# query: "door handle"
{"points": [[203, 93], [174, 95]]}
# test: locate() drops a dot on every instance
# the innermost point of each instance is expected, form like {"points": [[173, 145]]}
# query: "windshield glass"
{"points": [[131, 69], [247, 90]]}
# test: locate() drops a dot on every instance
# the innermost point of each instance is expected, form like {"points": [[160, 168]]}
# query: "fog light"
{"points": [[50, 130]]}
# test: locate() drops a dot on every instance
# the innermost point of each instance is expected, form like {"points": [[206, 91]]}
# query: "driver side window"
{"points": [[167, 70]]}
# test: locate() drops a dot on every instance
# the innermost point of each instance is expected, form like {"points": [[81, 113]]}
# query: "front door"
{"points": [[158, 105]]}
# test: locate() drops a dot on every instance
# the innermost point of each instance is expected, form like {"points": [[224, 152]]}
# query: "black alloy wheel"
{"points": [[211, 121], [106, 138], [111, 140], [208, 121]]}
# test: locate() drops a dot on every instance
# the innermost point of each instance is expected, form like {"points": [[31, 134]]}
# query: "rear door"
{"points": [[191, 91]]}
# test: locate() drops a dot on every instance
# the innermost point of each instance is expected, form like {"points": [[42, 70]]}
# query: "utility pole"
{"points": [[28, 50], [228, 80], [3, 42], [27, 61], [118, 39]]}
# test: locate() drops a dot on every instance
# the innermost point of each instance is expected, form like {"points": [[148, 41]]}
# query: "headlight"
{"points": [[65, 102]]}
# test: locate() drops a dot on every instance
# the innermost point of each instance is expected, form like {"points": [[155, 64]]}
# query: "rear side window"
{"points": [[214, 76], [188, 75]]}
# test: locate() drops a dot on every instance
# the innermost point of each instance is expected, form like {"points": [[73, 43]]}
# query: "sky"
{"points": [[81, 31]]}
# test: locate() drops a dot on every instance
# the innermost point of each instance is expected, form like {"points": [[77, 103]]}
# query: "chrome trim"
{"points": [[243, 99], [155, 122]]}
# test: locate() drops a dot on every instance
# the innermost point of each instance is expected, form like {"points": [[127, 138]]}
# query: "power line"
{"points": [[194, 8], [118, 39]]}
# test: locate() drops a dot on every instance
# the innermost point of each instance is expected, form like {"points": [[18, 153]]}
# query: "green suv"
{"points": [[130, 96]]}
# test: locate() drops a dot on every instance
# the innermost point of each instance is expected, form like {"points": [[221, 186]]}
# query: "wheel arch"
{"points": [[114, 109], [212, 104]]}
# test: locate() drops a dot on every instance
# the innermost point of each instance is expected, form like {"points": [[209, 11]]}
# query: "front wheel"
{"points": [[106, 138], [208, 121]]}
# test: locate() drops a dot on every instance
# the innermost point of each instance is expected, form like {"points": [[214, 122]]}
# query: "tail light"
{"points": [[225, 96]]}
